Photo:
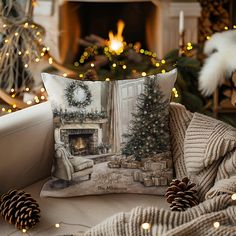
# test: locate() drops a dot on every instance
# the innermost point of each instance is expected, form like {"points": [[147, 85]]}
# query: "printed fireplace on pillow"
{"points": [[110, 137]]}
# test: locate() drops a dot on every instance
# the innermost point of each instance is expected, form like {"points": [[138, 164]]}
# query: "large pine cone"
{"points": [[20, 209], [181, 194]]}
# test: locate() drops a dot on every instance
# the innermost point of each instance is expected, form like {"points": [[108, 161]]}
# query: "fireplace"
{"points": [[80, 142]]}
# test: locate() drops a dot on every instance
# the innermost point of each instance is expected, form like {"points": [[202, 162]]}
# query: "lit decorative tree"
{"points": [[149, 131]]}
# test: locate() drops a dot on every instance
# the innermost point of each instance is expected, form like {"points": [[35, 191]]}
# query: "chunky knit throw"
{"points": [[204, 149]]}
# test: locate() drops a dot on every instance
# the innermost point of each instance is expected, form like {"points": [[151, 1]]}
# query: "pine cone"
{"points": [[181, 194], [20, 209]]}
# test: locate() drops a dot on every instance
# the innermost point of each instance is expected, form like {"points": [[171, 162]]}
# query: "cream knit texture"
{"points": [[205, 150]]}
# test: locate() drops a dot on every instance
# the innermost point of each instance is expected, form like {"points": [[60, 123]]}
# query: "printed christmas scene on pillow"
{"points": [[110, 137]]}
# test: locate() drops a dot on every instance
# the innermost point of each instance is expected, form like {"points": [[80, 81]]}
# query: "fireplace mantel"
{"points": [[165, 23]]}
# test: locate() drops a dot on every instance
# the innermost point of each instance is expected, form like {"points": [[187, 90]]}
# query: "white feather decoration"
{"points": [[221, 61]]}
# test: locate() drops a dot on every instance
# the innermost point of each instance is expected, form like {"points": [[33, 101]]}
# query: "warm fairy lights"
{"points": [[144, 74], [216, 224], [124, 67], [24, 230], [92, 65], [233, 197], [57, 225], [146, 226]]}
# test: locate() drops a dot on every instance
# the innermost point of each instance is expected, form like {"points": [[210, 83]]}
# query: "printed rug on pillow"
{"points": [[110, 136]]}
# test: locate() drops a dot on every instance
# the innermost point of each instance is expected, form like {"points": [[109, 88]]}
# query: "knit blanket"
{"points": [[204, 149]]}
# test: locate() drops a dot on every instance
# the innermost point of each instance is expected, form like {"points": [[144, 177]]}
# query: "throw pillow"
{"points": [[110, 136]]}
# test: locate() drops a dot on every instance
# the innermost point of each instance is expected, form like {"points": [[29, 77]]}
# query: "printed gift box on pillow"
{"points": [[110, 137]]}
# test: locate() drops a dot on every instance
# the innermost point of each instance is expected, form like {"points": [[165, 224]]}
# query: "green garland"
{"points": [[70, 97]]}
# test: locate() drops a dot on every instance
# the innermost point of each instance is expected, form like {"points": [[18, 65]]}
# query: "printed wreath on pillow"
{"points": [[110, 137]]}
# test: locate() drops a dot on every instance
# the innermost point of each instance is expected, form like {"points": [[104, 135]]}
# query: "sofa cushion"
{"points": [[122, 126], [84, 210]]}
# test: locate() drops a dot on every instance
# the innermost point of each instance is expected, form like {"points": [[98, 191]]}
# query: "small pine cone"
{"points": [[20, 209], [181, 194]]}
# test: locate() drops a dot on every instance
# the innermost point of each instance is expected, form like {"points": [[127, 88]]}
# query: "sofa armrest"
{"points": [[26, 146]]}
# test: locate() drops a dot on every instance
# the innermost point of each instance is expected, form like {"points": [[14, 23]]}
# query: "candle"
{"points": [[181, 22]]}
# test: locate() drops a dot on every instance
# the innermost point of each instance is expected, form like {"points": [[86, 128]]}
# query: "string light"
{"points": [[14, 105], [76, 63], [216, 224], [234, 26], [13, 95], [107, 79], [16, 33], [174, 90], [144, 73], [146, 226], [27, 89], [163, 71], [9, 110], [233, 197], [48, 48], [26, 24], [12, 90], [26, 65], [3, 109], [27, 52], [42, 54], [24, 230], [124, 67], [42, 90], [226, 28], [81, 75], [19, 53], [38, 33], [64, 75], [29, 102], [42, 97], [208, 37], [6, 40], [157, 64], [4, 26], [141, 50], [37, 59], [57, 225], [50, 60], [92, 65], [163, 61], [114, 65], [7, 54]]}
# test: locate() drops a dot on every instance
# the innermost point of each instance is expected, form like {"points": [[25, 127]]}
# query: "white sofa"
{"points": [[26, 152]]}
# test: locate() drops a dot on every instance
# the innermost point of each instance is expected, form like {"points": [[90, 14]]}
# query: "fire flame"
{"points": [[116, 42]]}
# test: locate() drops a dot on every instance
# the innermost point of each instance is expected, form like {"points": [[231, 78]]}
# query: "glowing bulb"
{"points": [[50, 60], [40, 40], [92, 65], [6, 40], [26, 25], [81, 75], [9, 110], [48, 48], [208, 37], [44, 49], [12, 90], [3, 109], [37, 59], [24, 230], [14, 105], [57, 225], [13, 95], [27, 52], [29, 102], [42, 97], [216, 224], [42, 54], [32, 26], [27, 89], [114, 65], [124, 67], [76, 63], [19, 53], [107, 79], [146, 226], [26, 65], [234, 26], [141, 50], [42, 90], [163, 71], [4, 26], [64, 75], [233, 197], [157, 64], [144, 73], [16, 33], [163, 61], [7, 54], [38, 33], [226, 28]]}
